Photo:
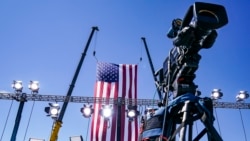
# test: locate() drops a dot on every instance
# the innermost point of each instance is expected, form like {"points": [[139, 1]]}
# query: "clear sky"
{"points": [[43, 40]]}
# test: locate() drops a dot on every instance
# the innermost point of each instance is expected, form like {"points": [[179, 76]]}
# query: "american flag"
{"points": [[113, 81]]}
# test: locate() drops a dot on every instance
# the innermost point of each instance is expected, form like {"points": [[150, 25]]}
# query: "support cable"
{"points": [[217, 120], [86, 138], [243, 125], [26, 130], [6, 120]]}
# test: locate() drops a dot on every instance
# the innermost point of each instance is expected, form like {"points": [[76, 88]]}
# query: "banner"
{"points": [[113, 81]]}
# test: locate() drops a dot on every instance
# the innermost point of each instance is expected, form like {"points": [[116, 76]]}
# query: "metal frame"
{"points": [[125, 101]]}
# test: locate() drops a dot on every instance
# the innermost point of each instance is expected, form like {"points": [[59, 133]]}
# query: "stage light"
{"points": [[52, 110], [216, 94], [87, 110], [242, 95], [17, 86], [34, 86], [132, 112], [106, 111]]}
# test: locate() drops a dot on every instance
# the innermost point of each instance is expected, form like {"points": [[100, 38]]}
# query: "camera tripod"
{"points": [[182, 112]]}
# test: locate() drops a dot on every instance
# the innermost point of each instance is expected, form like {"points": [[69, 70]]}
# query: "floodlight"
{"points": [[52, 110], [132, 112], [106, 111], [34, 86], [216, 94], [242, 95], [87, 110], [17, 85]]}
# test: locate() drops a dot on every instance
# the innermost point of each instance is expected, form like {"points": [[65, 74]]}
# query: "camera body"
{"points": [[196, 31]]}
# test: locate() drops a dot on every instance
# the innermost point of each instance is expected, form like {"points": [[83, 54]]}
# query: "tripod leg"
{"points": [[190, 132], [185, 111], [212, 134]]}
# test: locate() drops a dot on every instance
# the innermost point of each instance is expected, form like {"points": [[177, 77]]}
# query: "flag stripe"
{"points": [[124, 83], [130, 96], [107, 93], [99, 120], [136, 126], [114, 119]]}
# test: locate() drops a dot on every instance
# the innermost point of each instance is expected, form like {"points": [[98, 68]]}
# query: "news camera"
{"points": [[196, 31]]}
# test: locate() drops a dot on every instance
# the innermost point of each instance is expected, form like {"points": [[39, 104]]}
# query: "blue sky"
{"points": [[43, 40]]}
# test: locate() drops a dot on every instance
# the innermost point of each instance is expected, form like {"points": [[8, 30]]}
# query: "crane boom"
{"points": [[152, 67], [58, 122]]}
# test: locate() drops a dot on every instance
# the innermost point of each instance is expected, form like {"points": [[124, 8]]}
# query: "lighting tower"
{"points": [[21, 97]]}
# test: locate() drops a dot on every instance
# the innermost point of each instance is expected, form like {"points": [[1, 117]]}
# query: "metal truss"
{"points": [[77, 99], [125, 101], [231, 105]]}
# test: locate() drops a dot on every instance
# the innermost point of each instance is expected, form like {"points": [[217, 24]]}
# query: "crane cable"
{"points": [[6, 120], [140, 60], [95, 44]]}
